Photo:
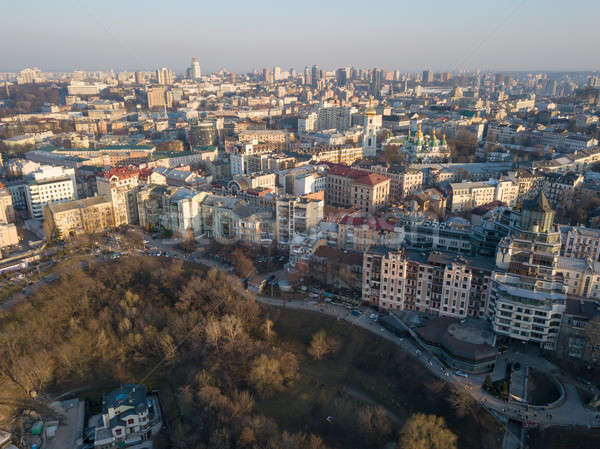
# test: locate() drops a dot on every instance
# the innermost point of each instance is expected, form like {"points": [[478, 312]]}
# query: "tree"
{"points": [[267, 329], [300, 274], [426, 432], [319, 345], [463, 403], [272, 374], [242, 264], [189, 242], [375, 423]]}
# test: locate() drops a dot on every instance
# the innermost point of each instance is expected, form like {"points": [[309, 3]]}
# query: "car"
{"points": [[461, 374], [355, 312]]}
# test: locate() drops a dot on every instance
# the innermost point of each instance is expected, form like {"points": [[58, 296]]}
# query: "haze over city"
{"points": [[64, 35]]}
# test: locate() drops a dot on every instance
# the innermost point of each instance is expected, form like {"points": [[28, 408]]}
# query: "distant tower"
{"points": [[195, 69], [370, 132]]}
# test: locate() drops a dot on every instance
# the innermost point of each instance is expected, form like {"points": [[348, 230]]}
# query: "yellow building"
{"points": [[72, 218]]}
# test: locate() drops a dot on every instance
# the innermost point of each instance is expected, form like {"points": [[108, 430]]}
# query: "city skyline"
{"points": [[516, 36]]}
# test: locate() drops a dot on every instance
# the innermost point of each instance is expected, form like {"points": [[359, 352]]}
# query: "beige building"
{"points": [[119, 185], [7, 213], [469, 195], [8, 235], [370, 192], [438, 284], [342, 155], [72, 218], [346, 187], [403, 181], [263, 136]]}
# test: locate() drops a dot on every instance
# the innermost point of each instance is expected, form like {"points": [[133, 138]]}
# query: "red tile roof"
{"points": [[371, 179]]}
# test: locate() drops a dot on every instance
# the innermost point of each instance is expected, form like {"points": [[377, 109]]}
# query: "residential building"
{"points": [[528, 292], [76, 217], [580, 242], [403, 180], [49, 185], [7, 212], [346, 187], [8, 235], [558, 187], [575, 340], [437, 283], [469, 195], [297, 216], [125, 417], [119, 186]]}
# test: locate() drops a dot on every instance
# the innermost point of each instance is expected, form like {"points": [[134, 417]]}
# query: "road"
{"points": [[570, 412]]}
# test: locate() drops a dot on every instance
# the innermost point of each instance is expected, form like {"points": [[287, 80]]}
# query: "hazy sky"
{"points": [[62, 35]]}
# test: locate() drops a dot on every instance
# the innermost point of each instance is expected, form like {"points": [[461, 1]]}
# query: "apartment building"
{"points": [[8, 235], [175, 209], [528, 293], [49, 185], [370, 192], [297, 216], [276, 137], [346, 187], [403, 181], [435, 283], [346, 155], [469, 195], [73, 218], [7, 212], [557, 186], [580, 242], [581, 277], [119, 186]]}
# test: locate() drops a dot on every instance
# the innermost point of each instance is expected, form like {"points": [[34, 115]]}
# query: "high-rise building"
{"points": [[292, 73], [307, 76], [376, 82], [267, 75], [342, 76], [315, 76], [140, 78], [159, 97], [195, 69], [427, 76], [164, 76], [276, 73]]}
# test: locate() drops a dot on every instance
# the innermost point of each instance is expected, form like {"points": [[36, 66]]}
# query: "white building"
{"points": [[49, 185]]}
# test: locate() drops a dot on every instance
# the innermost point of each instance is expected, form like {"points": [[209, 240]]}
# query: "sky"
{"points": [[448, 35]]}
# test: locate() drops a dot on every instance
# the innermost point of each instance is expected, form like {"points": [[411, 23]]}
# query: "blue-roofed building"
{"points": [[125, 417]]}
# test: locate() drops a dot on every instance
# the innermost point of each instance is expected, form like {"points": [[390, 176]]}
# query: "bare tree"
{"points": [[422, 431]]}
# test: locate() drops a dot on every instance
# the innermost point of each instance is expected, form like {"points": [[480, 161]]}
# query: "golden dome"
{"points": [[370, 110]]}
